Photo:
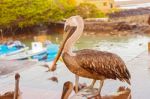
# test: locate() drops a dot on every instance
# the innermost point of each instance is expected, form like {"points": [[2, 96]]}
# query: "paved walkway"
{"points": [[35, 83]]}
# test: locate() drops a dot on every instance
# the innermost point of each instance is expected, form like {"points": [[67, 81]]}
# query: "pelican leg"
{"points": [[101, 85], [76, 83], [92, 84]]}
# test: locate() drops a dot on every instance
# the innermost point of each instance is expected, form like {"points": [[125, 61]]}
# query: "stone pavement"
{"points": [[35, 83]]}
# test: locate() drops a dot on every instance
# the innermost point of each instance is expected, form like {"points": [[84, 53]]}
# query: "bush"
{"points": [[88, 10], [24, 13]]}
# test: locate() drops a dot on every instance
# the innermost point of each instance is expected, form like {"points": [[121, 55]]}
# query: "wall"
{"points": [[138, 19], [101, 4]]}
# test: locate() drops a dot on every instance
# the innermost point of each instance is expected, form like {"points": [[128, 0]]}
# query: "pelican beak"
{"points": [[69, 30], [66, 28]]}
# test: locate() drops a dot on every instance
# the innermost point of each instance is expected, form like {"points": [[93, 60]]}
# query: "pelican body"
{"points": [[13, 94], [88, 63]]}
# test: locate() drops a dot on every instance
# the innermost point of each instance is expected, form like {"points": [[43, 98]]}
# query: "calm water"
{"points": [[127, 47]]}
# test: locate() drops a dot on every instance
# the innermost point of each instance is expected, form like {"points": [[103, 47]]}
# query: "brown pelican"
{"points": [[14, 94], [97, 65], [122, 93]]}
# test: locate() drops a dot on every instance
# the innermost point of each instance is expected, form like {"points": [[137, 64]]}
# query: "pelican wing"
{"points": [[104, 63]]}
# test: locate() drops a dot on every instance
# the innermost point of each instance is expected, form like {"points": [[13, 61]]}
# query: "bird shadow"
{"points": [[54, 79]]}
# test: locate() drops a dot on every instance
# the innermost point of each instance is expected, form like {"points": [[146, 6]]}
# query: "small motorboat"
{"points": [[40, 57], [37, 52], [13, 48], [37, 49], [52, 50]]}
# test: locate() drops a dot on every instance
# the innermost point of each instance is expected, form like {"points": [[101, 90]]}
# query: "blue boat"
{"points": [[24, 55], [40, 57], [49, 55], [6, 50], [52, 50], [46, 54]]}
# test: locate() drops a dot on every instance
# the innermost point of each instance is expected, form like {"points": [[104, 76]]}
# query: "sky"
{"points": [[122, 0]]}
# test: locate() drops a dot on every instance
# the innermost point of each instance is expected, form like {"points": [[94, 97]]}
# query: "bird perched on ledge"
{"points": [[88, 63]]}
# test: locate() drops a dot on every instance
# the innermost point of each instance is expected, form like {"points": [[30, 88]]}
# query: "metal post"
{"points": [[149, 47], [1, 34]]}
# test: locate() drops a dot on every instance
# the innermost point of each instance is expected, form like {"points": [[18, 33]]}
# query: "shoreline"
{"points": [[131, 2]]}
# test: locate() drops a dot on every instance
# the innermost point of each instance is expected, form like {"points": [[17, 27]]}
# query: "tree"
{"points": [[88, 10], [22, 13]]}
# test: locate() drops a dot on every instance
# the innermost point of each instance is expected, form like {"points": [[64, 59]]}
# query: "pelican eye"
{"points": [[70, 30]]}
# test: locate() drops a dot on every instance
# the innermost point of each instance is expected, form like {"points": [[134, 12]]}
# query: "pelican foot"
{"points": [[90, 87], [89, 93]]}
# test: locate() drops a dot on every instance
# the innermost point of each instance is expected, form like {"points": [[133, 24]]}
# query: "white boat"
{"points": [[24, 55], [17, 51]]}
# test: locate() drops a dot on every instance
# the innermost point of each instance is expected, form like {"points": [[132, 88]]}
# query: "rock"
{"points": [[122, 26], [140, 44]]}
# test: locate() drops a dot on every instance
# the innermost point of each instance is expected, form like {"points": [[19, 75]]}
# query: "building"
{"points": [[101, 4]]}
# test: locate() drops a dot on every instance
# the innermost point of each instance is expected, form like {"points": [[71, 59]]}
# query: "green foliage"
{"points": [[113, 10], [24, 13], [88, 10]]}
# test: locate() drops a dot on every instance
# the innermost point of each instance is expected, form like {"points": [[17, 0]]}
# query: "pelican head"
{"points": [[71, 22], [17, 90], [67, 89], [73, 29], [73, 25]]}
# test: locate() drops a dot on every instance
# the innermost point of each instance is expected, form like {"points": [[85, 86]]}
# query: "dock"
{"points": [[36, 83]]}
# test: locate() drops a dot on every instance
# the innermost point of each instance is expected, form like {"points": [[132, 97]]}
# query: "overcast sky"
{"points": [[122, 0]]}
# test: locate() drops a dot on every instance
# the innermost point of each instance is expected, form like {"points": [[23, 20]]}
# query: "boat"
{"points": [[37, 52], [13, 48], [37, 49], [40, 57], [24, 55], [52, 50]]}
